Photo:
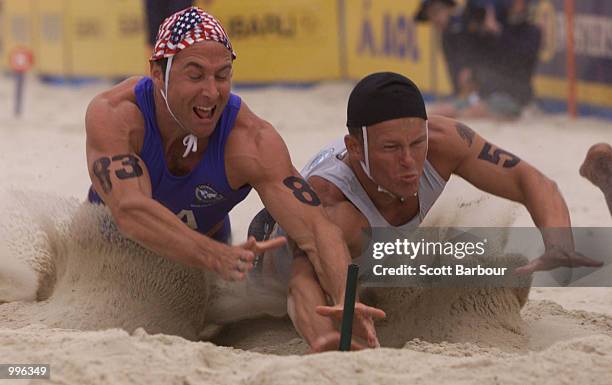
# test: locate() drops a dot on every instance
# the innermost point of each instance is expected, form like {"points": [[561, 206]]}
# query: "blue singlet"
{"points": [[203, 197]]}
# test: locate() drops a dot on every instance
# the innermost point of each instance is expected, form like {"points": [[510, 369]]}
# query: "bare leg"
{"points": [[597, 168]]}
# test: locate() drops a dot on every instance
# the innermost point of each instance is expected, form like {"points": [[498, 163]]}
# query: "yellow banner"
{"points": [[595, 94], [381, 35], [3, 56], [52, 54], [128, 40], [276, 41], [107, 38], [280, 40]]}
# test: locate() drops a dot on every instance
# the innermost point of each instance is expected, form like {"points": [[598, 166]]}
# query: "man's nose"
{"points": [[209, 87], [406, 158]]}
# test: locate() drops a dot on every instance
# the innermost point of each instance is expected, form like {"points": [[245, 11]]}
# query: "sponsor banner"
{"points": [[381, 35], [51, 23], [77, 38], [128, 38], [588, 93], [2, 38], [88, 34], [592, 39], [593, 50], [106, 38], [279, 40]]}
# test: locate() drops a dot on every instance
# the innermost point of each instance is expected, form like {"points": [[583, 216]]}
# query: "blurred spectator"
{"points": [[457, 45], [499, 48], [157, 11]]}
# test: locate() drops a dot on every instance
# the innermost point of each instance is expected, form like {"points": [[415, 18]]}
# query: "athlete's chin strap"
{"points": [[190, 141], [366, 166]]}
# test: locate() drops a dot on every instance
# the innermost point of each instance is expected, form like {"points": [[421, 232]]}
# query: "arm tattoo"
{"points": [[128, 160], [131, 169], [302, 190], [465, 133], [100, 170], [494, 157]]}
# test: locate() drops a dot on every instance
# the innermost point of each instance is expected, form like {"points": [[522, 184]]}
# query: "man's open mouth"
{"points": [[204, 112]]}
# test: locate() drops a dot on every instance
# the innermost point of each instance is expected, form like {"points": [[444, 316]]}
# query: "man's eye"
{"points": [[195, 76]]}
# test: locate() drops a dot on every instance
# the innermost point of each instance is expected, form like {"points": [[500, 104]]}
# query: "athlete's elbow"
{"points": [[552, 186], [548, 185], [539, 184], [554, 194]]}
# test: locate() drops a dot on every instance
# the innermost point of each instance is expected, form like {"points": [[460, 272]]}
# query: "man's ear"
{"points": [[156, 72], [354, 146]]}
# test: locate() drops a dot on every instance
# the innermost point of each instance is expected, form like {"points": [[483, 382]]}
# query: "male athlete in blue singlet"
{"points": [[388, 172], [171, 154]]}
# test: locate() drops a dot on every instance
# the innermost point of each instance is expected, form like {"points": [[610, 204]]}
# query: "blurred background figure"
{"points": [[491, 48], [457, 46], [157, 11]]}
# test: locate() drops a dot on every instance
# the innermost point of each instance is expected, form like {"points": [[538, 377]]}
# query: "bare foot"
{"points": [[597, 166]]}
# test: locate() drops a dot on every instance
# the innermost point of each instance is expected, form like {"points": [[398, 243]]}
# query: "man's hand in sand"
{"points": [[239, 260], [558, 257], [363, 327]]}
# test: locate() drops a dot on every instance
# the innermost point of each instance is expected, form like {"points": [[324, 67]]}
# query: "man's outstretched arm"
{"points": [[499, 172], [305, 295], [266, 165]]}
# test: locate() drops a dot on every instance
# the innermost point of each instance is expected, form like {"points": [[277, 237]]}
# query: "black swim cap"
{"points": [[384, 96]]}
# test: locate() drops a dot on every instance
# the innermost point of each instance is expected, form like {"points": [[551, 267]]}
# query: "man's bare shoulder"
{"points": [[250, 129], [328, 192], [443, 132], [342, 212], [254, 150], [255, 139], [449, 140], [113, 115], [253, 134]]}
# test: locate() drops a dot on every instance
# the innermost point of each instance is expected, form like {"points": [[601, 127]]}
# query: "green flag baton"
{"points": [[346, 330]]}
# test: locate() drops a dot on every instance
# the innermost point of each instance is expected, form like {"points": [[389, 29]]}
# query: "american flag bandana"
{"points": [[185, 28]]}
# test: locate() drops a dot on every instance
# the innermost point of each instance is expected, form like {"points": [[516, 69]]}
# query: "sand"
{"points": [[101, 310]]}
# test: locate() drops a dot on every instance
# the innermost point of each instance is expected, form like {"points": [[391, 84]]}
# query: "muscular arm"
{"points": [[263, 161], [499, 172], [502, 173], [303, 296], [121, 179], [305, 293]]}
